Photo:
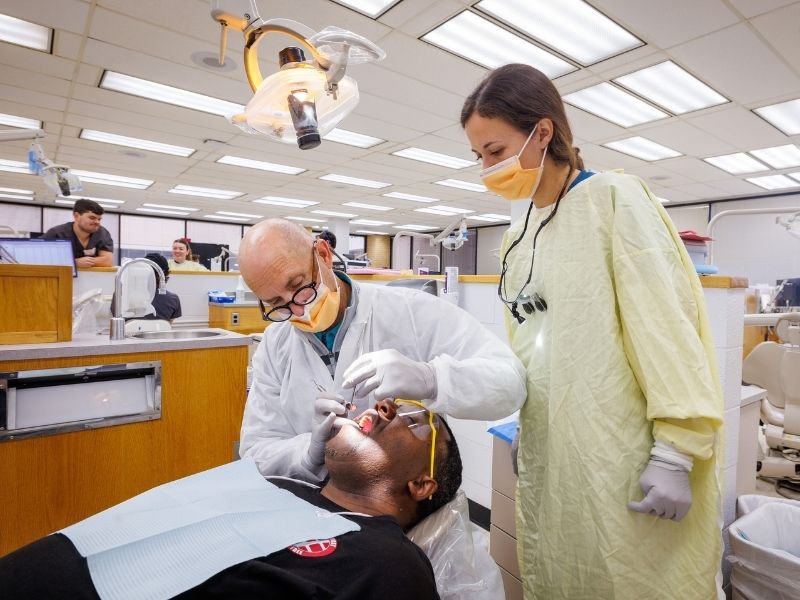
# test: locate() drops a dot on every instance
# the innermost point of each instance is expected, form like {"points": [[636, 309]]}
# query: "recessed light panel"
{"points": [[131, 142], [159, 211], [434, 158], [462, 185], [261, 165], [773, 182], [290, 202], [795, 176], [306, 219], [449, 211], [370, 222], [25, 33], [612, 104], [331, 213], [370, 232], [219, 217], [96, 199], [236, 214], [170, 207], [779, 157], [570, 26], [369, 7], [368, 206], [16, 191], [640, 147], [415, 227], [115, 180], [203, 192], [5, 196], [668, 85], [736, 163], [14, 166], [351, 138], [151, 90], [487, 44], [785, 116], [411, 197], [354, 181], [21, 122]]}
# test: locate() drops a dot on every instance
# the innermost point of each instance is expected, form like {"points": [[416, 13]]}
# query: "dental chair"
{"points": [[776, 368], [425, 285]]}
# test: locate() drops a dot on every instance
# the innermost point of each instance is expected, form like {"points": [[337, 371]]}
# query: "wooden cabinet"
{"points": [[236, 317], [35, 304]]}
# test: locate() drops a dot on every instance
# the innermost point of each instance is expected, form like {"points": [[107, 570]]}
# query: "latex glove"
{"points": [[667, 493], [328, 411], [515, 452], [389, 374]]}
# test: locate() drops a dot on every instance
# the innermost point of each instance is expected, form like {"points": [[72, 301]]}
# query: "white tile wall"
{"points": [[731, 437]]}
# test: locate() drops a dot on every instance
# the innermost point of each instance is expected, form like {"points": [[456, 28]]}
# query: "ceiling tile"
{"points": [[685, 138], [739, 127]]}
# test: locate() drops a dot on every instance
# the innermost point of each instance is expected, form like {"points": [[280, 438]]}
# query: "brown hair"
{"points": [[521, 96], [185, 242]]}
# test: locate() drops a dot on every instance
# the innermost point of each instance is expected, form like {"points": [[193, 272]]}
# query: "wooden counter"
{"points": [[241, 318], [50, 482]]}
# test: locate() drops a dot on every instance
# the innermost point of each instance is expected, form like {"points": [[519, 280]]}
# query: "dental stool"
{"points": [[424, 285], [776, 368]]}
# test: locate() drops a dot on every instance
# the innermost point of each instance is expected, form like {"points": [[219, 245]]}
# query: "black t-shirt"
{"points": [[99, 240], [379, 562]]}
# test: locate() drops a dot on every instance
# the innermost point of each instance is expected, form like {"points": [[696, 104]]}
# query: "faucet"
{"points": [[226, 262], [116, 329]]}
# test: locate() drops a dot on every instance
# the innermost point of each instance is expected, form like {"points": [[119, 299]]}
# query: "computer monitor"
{"points": [[40, 252]]}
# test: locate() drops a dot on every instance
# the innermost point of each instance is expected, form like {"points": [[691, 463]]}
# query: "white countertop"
{"points": [[88, 344], [751, 394]]}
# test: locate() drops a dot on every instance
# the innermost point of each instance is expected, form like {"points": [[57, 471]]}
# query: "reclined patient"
{"points": [[395, 465]]}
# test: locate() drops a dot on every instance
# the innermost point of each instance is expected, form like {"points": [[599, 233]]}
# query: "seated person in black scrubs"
{"points": [[166, 305], [92, 245], [380, 466]]}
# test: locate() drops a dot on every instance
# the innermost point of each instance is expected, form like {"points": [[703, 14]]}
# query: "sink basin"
{"points": [[175, 334]]}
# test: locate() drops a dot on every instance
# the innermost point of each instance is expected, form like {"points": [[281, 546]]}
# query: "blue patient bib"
{"points": [[177, 535]]}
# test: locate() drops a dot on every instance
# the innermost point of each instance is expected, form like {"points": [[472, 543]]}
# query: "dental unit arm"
{"points": [[56, 177], [447, 238]]}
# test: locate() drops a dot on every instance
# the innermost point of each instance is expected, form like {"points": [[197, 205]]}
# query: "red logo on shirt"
{"points": [[314, 548]]}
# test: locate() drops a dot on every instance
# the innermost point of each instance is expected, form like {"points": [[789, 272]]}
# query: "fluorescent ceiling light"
{"points": [[496, 216], [306, 219], [16, 191], [159, 211], [736, 163], [785, 116], [223, 218], [167, 206], [122, 140], [14, 166], [612, 104], [72, 202], [779, 157], [773, 182], [116, 180], [670, 86], [412, 197], [166, 93], [462, 185], [203, 192], [16, 197], [331, 213], [259, 164], [490, 217], [369, 222], [106, 200], [25, 33], [487, 44], [370, 232], [415, 227], [643, 148], [449, 211], [369, 7], [570, 26], [351, 138], [367, 206], [22, 122], [236, 214], [355, 181], [434, 158], [290, 202], [795, 176]]}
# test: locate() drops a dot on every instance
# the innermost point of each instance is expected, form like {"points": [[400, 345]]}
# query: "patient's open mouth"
{"points": [[366, 423]]}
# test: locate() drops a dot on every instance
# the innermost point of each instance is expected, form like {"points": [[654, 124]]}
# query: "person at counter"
{"points": [[181, 251], [92, 245], [166, 305]]}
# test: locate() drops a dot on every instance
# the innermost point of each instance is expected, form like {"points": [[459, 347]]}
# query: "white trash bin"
{"points": [[765, 549]]}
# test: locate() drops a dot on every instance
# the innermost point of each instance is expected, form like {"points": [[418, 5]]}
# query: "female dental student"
{"points": [[618, 495], [180, 261]]}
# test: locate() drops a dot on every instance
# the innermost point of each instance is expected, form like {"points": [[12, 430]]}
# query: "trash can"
{"points": [[765, 549]]}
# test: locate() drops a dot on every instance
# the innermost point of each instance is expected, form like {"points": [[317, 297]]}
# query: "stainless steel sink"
{"points": [[176, 334]]}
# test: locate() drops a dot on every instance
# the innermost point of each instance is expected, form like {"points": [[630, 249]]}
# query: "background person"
{"points": [[617, 493], [181, 257], [92, 245]]}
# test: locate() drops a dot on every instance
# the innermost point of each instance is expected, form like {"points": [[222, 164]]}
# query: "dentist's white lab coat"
{"points": [[477, 375]]}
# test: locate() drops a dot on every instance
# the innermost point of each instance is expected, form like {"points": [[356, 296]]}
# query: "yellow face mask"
{"points": [[509, 180], [320, 314]]}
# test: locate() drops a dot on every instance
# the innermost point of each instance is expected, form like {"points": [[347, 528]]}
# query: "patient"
{"points": [[380, 466]]}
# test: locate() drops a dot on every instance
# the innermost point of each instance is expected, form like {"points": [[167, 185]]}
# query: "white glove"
{"points": [[328, 409], [665, 483], [389, 374]]}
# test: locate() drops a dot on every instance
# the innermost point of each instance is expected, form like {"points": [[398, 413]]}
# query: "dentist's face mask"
{"points": [[319, 314], [509, 180]]}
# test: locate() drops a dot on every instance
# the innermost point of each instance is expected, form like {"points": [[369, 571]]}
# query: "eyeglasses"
{"points": [[302, 297], [420, 422]]}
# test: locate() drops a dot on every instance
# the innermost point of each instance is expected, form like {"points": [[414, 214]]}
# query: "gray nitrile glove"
{"points": [[665, 483], [515, 452], [389, 374], [328, 408]]}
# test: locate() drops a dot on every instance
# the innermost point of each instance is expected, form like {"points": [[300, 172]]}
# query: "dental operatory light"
{"points": [[309, 95], [791, 224]]}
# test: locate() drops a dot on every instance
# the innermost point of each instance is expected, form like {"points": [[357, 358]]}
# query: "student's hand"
{"points": [[389, 374], [328, 412], [85, 261], [667, 493]]}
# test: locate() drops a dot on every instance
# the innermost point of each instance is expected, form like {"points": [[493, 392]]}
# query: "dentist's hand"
{"points": [[667, 493], [389, 374], [329, 411]]}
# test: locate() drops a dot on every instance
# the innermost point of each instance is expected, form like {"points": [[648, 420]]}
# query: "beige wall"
{"points": [[379, 250]]}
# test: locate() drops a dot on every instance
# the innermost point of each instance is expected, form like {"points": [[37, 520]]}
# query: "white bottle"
{"points": [[240, 290]]}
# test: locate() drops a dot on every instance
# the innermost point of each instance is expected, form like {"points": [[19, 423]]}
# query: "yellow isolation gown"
{"points": [[622, 356]]}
